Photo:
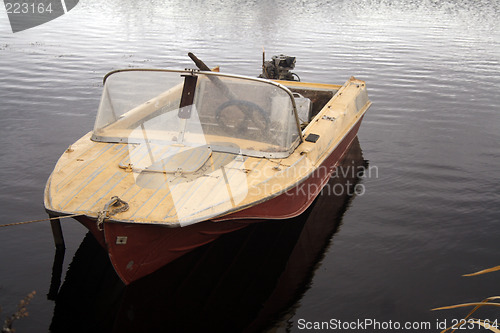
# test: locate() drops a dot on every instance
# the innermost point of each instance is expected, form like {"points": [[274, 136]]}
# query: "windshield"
{"points": [[228, 113]]}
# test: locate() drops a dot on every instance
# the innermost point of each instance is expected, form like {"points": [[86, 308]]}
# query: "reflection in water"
{"points": [[242, 282]]}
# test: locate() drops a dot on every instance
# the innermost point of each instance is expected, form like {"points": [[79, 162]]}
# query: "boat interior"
{"points": [[317, 96]]}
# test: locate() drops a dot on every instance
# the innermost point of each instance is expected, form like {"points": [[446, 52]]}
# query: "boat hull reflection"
{"points": [[242, 282]]}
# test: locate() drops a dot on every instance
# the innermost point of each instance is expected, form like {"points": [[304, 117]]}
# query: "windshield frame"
{"points": [[193, 72]]}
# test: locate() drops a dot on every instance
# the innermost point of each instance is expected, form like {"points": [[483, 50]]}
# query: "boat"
{"points": [[178, 158], [245, 281]]}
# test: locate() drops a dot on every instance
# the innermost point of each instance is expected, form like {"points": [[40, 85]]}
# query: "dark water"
{"points": [[430, 207]]}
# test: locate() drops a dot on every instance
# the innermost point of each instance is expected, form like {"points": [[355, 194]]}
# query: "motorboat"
{"points": [[179, 157], [250, 280]]}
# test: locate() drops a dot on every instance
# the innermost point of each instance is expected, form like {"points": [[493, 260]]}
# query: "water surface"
{"points": [[430, 207]]}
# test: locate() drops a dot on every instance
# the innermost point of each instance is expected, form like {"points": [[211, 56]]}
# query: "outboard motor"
{"points": [[278, 68]]}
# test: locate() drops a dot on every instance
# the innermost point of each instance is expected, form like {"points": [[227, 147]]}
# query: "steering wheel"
{"points": [[227, 116]]}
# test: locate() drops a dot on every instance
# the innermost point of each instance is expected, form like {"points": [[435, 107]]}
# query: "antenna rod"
{"points": [[263, 57], [200, 64]]}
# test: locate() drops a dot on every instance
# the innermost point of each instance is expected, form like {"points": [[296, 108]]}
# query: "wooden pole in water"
{"points": [[55, 225], [55, 281]]}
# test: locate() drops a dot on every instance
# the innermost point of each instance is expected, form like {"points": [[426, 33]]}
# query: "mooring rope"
{"points": [[41, 220], [115, 201], [118, 204]]}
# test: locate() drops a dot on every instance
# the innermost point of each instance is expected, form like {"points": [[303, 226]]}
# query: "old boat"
{"points": [[179, 157]]}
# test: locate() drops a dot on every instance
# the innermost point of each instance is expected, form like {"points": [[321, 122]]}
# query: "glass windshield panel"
{"points": [[230, 114]]}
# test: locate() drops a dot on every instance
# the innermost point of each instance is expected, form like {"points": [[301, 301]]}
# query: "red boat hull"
{"points": [[137, 250]]}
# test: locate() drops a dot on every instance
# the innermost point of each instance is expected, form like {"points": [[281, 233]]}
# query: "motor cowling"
{"points": [[278, 68]]}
